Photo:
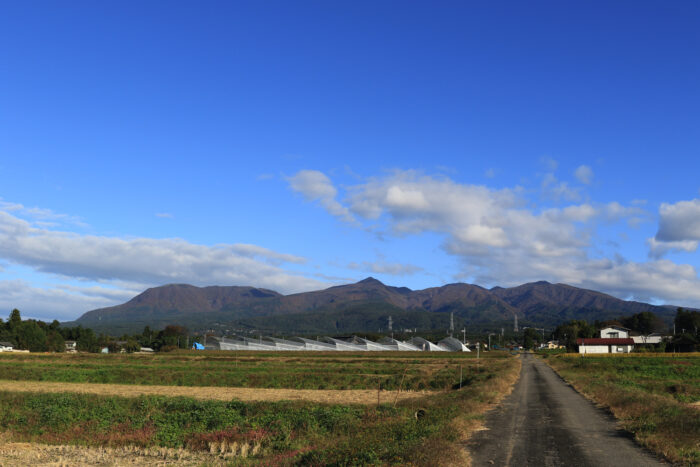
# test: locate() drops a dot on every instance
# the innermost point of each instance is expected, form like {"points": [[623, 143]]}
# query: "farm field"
{"points": [[414, 371], [423, 429], [656, 397]]}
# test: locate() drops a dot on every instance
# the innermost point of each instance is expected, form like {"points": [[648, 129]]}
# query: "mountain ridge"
{"points": [[539, 303]]}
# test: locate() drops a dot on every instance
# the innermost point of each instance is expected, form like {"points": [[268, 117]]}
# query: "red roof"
{"points": [[605, 341]]}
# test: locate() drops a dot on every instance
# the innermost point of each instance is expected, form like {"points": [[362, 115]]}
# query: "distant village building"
{"points": [[612, 332], [71, 346], [553, 345], [613, 339], [6, 347], [651, 339]]}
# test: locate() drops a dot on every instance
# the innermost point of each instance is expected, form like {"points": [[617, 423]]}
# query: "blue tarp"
{"points": [[197, 346]]}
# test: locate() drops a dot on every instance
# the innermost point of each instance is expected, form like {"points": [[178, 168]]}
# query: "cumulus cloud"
{"points": [[679, 221], [659, 249], [500, 238], [316, 186], [679, 229], [61, 302], [255, 251], [553, 188], [584, 174], [386, 267], [146, 260], [40, 216]]}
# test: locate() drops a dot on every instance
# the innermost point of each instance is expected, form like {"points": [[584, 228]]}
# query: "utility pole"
{"points": [[464, 335], [452, 323]]}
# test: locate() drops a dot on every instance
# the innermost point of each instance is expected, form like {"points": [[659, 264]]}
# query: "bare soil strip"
{"points": [[349, 396]]}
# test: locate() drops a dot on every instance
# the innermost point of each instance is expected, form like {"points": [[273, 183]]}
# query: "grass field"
{"points": [[418, 431], [655, 396], [313, 370]]}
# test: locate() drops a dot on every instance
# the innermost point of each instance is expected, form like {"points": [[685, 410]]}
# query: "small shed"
{"points": [[6, 347], [605, 345]]}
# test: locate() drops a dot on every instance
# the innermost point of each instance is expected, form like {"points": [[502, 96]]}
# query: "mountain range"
{"points": [[364, 306]]}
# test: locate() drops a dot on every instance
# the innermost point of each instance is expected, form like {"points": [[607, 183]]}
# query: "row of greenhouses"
{"points": [[331, 344]]}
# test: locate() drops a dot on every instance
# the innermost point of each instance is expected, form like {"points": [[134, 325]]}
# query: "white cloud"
{"points": [[658, 249], [384, 267], [61, 302], [501, 239], [164, 215], [146, 261], [679, 229], [549, 163], [679, 221], [584, 174], [557, 190], [316, 186], [41, 216], [255, 251], [400, 198]]}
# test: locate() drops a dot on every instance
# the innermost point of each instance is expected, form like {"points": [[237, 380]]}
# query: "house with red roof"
{"points": [[613, 339]]}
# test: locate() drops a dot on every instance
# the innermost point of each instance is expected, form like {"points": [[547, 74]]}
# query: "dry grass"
{"points": [[350, 396], [659, 422], [494, 390], [31, 454]]}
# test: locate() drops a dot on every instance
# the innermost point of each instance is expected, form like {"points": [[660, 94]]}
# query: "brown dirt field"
{"points": [[30, 454], [350, 396]]}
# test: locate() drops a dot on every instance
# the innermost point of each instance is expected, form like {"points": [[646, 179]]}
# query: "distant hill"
{"points": [[362, 307]]}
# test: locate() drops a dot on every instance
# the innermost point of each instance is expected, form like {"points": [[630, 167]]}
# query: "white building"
{"points": [[654, 338], [453, 345], [6, 347], [605, 345], [614, 332]]}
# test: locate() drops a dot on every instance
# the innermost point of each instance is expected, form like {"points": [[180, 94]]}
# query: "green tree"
{"points": [[15, 319], [645, 322], [55, 342], [132, 345], [567, 333], [687, 321], [86, 341], [530, 338], [30, 336]]}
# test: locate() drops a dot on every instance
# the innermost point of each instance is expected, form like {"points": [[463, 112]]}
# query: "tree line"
{"points": [[39, 336]]}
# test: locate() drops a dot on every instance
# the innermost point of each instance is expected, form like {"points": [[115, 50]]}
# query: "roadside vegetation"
{"points": [[422, 431], [655, 396]]}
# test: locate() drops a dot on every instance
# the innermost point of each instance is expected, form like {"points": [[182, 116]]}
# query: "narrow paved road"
{"points": [[544, 422]]}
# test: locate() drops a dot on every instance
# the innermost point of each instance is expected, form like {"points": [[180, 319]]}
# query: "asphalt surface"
{"points": [[545, 422]]}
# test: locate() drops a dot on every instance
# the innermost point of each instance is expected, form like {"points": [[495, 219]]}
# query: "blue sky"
{"points": [[297, 145]]}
